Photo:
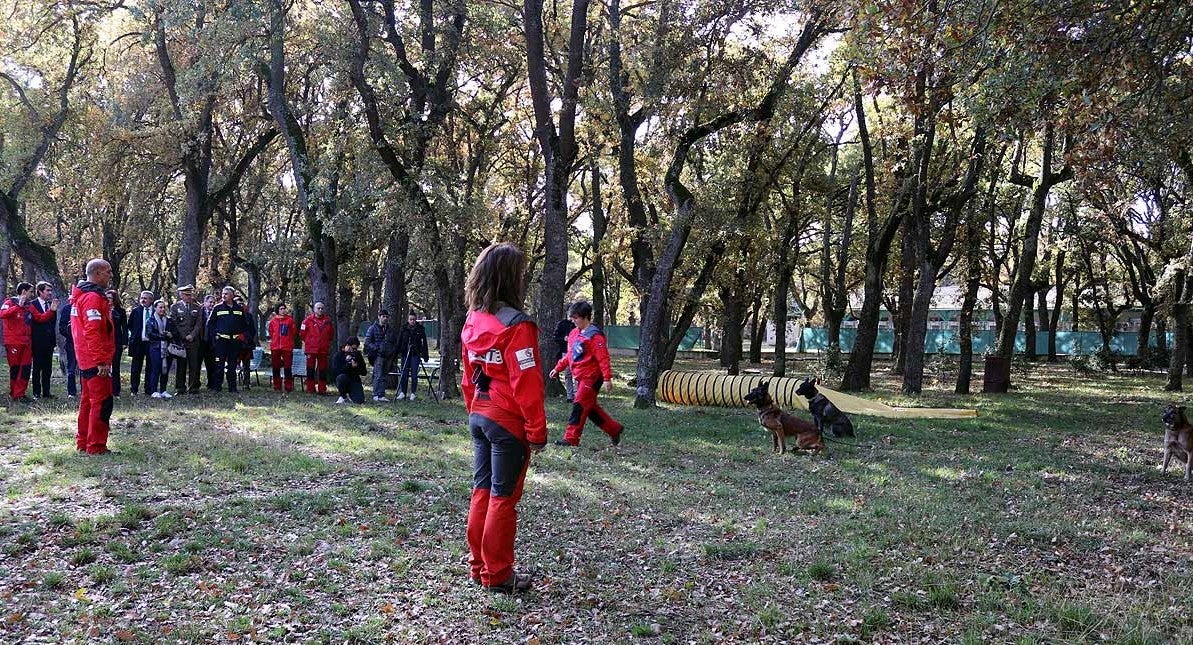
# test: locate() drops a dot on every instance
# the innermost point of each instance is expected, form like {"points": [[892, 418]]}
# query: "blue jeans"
{"points": [[381, 374], [69, 367], [409, 372]]}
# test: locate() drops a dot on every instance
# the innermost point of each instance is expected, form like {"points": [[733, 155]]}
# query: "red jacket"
{"points": [[279, 339], [19, 319], [501, 351], [91, 326], [317, 333], [588, 355]]}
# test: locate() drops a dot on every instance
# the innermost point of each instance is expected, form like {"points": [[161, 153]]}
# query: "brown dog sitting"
{"points": [[1178, 437], [782, 425]]}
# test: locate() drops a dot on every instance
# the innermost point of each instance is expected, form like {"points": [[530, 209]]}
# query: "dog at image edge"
{"points": [[782, 425], [1178, 437], [824, 413]]}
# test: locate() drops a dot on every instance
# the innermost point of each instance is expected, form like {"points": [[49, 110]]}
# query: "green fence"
{"points": [[815, 339]]}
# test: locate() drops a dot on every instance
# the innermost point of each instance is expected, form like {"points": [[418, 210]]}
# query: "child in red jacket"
{"points": [[588, 358]]}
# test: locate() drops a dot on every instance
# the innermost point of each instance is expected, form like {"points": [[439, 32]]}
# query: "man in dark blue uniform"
{"points": [[224, 328]]}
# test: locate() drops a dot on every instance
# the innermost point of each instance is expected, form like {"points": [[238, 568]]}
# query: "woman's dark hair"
{"points": [[352, 341], [279, 307], [580, 308], [115, 296], [498, 277]]}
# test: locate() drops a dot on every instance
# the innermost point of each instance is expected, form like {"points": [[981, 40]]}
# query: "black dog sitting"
{"points": [[824, 412]]}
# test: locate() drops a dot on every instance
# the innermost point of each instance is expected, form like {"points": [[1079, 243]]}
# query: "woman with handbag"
{"points": [[163, 348]]}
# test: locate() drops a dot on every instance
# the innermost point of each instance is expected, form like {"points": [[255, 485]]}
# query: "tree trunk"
{"points": [[1143, 345], [558, 147], [965, 324], [599, 225], [861, 358], [757, 330], [396, 256], [782, 297], [1054, 318], [909, 259], [1020, 289], [731, 347], [1029, 327]]}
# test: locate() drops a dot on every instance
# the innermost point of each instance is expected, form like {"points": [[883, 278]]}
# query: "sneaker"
{"points": [[341, 400], [380, 399], [400, 397], [564, 442], [167, 395], [412, 397], [617, 437], [517, 583], [156, 395]]}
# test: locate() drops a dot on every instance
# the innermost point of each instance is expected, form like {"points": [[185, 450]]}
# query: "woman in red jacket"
{"points": [[503, 393], [282, 333]]}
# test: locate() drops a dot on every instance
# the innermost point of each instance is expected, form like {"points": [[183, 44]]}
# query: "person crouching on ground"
{"points": [[348, 365], [282, 332], [588, 358], [503, 393]]}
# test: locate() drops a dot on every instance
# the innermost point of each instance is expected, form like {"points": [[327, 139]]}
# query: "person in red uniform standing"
{"points": [[19, 314], [282, 333], [95, 343], [503, 393], [588, 358], [317, 332]]}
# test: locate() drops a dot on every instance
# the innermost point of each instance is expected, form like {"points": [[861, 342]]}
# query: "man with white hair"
{"points": [[94, 338]]}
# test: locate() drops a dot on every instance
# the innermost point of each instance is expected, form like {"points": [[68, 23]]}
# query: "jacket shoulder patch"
{"points": [[525, 358]]}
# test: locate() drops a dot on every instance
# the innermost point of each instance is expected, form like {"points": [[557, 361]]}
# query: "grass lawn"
{"points": [[294, 520]]}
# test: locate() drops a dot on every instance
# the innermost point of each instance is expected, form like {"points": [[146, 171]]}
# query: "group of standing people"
{"points": [[31, 320]]}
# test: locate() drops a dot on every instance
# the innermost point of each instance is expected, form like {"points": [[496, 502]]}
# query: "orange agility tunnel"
{"points": [[706, 388]]}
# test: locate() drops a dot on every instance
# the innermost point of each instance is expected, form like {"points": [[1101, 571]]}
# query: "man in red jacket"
{"points": [[282, 333], [317, 332], [19, 314], [588, 357], [94, 337]]}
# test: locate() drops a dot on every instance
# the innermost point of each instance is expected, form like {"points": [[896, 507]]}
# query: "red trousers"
{"points": [[95, 411], [585, 406], [317, 373], [282, 360], [499, 469], [20, 365]]}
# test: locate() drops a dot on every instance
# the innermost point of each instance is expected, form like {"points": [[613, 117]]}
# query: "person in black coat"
{"points": [[412, 348], [67, 358], [43, 342], [348, 365], [120, 326], [138, 343], [381, 341], [562, 330]]}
